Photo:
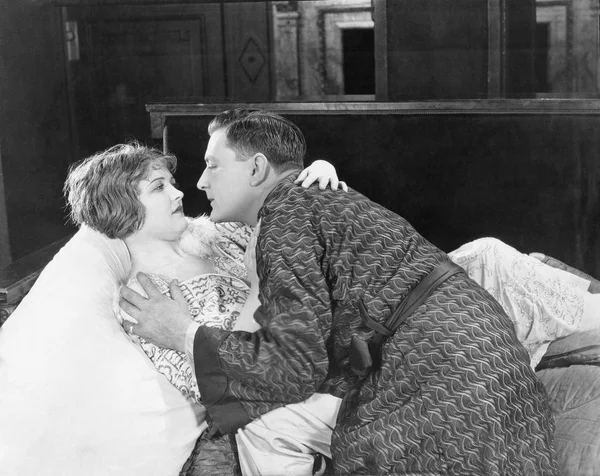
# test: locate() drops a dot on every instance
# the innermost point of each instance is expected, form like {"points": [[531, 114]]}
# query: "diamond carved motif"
{"points": [[252, 60]]}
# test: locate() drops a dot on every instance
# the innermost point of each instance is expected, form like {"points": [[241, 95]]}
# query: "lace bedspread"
{"points": [[543, 302]]}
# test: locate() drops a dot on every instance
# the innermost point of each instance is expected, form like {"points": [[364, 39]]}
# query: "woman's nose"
{"points": [[177, 194]]}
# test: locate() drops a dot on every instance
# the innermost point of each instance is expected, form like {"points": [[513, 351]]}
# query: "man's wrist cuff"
{"points": [[189, 341]]}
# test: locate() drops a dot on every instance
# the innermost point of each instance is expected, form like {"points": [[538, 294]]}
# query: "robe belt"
{"points": [[365, 356]]}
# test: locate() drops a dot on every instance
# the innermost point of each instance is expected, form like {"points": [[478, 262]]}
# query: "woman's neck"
{"points": [[153, 256]]}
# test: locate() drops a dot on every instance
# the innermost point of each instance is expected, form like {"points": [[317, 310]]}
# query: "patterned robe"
{"points": [[454, 394]]}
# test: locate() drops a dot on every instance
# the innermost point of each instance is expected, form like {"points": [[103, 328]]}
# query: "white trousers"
{"points": [[290, 440]]}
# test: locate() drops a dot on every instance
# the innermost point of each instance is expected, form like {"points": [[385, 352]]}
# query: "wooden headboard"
{"points": [[525, 171]]}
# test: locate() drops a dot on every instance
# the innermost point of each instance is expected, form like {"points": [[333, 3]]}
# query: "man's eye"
{"points": [[160, 187], [209, 166]]}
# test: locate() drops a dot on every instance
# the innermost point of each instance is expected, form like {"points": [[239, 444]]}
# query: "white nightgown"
{"points": [[543, 302]]}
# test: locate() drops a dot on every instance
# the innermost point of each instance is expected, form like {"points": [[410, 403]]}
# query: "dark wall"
{"points": [[131, 55], [458, 49], [34, 130], [530, 180], [437, 49]]}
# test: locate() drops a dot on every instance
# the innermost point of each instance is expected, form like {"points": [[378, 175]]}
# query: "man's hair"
{"points": [[102, 191], [250, 131]]}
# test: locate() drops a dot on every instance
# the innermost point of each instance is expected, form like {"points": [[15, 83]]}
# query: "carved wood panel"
{"points": [[131, 56]]}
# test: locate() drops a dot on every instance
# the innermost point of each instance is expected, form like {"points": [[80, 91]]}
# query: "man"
{"points": [[447, 390]]}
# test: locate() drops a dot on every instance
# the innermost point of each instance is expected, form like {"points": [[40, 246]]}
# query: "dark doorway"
{"points": [[358, 47], [542, 45]]}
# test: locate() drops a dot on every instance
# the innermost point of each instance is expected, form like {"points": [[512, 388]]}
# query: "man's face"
{"points": [[226, 182]]}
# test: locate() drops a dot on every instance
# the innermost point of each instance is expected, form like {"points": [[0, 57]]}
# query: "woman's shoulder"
{"points": [[200, 237], [160, 281], [203, 237]]}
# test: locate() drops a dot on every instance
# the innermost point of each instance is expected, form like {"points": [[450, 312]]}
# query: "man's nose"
{"points": [[201, 185]]}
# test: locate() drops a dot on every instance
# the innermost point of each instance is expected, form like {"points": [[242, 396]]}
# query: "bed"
{"points": [[86, 273], [500, 166]]}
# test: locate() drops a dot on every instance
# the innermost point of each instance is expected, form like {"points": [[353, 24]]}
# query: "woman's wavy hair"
{"points": [[102, 191], [250, 131]]}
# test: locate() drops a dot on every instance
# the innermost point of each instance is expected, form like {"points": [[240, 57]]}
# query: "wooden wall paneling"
{"points": [[34, 126], [495, 55], [5, 257], [437, 49], [247, 50], [519, 30], [285, 57], [131, 55], [381, 50], [448, 49]]}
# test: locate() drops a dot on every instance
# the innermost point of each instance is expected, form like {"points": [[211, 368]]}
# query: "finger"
{"points": [[344, 186], [131, 296], [177, 293], [126, 318], [539, 256], [309, 180], [149, 287], [334, 183], [323, 182], [129, 308], [302, 176]]}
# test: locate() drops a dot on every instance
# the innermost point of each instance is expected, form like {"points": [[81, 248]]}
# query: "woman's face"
{"points": [[162, 202]]}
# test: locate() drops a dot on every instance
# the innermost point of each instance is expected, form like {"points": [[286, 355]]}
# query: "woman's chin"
{"points": [[183, 226]]}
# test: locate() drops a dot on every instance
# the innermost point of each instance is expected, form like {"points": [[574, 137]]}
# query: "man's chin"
{"points": [[216, 217], [220, 216]]}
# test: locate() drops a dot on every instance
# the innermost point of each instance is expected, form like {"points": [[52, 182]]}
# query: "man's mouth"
{"points": [[179, 209]]}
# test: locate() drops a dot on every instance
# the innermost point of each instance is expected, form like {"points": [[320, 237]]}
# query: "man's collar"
{"points": [[289, 175], [284, 180]]}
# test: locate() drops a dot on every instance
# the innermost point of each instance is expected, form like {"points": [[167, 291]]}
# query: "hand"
{"points": [[161, 320], [322, 171]]}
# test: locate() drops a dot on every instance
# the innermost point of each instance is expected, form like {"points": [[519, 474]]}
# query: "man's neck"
{"points": [[262, 192], [268, 187]]}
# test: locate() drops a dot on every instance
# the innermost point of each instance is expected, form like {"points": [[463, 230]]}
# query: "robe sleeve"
{"points": [[242, 375]]}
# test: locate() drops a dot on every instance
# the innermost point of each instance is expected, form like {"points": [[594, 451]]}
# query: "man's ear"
{"points": [[261, 168]]}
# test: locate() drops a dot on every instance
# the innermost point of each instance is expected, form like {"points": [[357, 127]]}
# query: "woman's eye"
{"points": [[160, 187]]}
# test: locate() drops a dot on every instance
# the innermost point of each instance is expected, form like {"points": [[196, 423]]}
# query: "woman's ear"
{"points": [[261, 168]]}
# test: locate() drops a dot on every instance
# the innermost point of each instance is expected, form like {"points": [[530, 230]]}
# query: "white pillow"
{"points": [[76, 397]]}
